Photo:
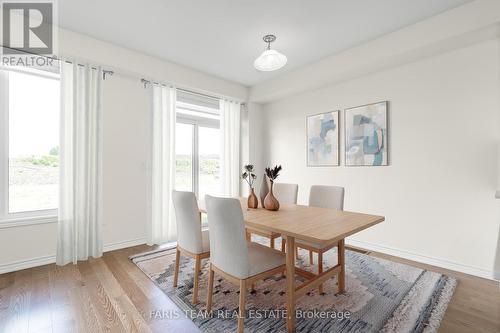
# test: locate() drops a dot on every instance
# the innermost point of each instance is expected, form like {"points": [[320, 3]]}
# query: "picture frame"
{"points": [[322, 139], [366, 135]]}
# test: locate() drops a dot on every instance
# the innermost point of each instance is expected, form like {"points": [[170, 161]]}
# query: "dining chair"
{"points": [[331, 197], [232, 257], [191, 240], [286, 194]]}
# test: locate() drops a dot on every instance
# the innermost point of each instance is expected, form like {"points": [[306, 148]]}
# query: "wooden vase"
{"points": [[252, 202], [270, 202]]}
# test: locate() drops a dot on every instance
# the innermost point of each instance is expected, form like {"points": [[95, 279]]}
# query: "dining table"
{"points": [[317, 225]]}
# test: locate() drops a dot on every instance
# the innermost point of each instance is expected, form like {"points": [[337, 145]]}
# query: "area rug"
{"points": [[381, 296]]}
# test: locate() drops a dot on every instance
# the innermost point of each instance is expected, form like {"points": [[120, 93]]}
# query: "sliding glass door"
{"points": [[198, 149]]}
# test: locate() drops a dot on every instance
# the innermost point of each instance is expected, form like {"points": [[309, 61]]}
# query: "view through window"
{"points": [[32, 111], [184, 156], [209, 165]]}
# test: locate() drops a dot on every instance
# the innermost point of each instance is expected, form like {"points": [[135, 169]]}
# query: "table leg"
{"points": [[341, 262], [290, 283]]}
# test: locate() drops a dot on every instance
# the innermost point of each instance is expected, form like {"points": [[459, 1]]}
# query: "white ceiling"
{"points": [[223, 37]]}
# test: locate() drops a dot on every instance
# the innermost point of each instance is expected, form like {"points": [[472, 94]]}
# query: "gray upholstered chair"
{"points": [[191, 240], [286, 194], [232, 257], [331, 197]]}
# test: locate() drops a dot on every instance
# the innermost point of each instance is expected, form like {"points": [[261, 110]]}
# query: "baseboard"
{"points": [[443, 263], [45, 260], [124, 244], [23, 264]]}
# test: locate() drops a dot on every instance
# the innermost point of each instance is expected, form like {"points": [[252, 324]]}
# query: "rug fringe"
{"points": [[439, 310]]}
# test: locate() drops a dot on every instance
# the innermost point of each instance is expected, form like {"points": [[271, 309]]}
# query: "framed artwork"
{"points": [[366, 135], [323, 139]]}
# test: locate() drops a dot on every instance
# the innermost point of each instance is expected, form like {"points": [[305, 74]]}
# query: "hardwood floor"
{"points": [[111, 294]]}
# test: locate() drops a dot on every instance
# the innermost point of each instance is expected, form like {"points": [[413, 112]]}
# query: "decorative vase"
{"points": [[252, 202], [270, 202], [264, 190]]}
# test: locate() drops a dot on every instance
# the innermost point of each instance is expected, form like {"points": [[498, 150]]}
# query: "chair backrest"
{"points": [[286, 193], [327, 197], [228, 245], [187, 217]]}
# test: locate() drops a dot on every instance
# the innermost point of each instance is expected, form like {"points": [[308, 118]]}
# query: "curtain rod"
{"points": [[146, 82], [136, 76], [104, 71]]}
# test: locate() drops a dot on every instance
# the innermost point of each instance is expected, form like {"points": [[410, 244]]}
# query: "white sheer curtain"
{"points": [[230, 139], [80, 193], [162, 226]]}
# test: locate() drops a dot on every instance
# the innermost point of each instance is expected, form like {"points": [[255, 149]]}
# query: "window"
{"points": [[197, 144], [29, 143]]}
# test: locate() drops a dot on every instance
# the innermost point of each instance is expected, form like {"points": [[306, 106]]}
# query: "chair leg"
{"points": [[311, 257], [249, 236], [272, 243], [320, 269], [210, 289], [197, 269], [296, 252], [241, 316], [283, 250], [176, 271]]}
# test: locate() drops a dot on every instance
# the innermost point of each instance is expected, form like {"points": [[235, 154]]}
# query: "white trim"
{"points": [[29, 263], [4, 142], [439, 262], [46, 260], [124, 244], [27, 221]]}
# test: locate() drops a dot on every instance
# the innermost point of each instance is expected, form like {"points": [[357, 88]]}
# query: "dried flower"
{"points": [[248, 175], [273, 173]]}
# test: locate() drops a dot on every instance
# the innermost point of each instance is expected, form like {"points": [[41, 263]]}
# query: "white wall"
{"points": [[437, 194], [126, 147], [127, 130]]}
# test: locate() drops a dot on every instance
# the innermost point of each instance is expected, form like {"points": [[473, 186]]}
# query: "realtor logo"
{"points": [[27, 27]]}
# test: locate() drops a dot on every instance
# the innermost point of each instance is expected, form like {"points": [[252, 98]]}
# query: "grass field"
{"points": [[34, 181]]}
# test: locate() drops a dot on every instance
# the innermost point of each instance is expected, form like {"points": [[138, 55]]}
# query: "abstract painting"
{"points": [[323, 139], [366, 135]]}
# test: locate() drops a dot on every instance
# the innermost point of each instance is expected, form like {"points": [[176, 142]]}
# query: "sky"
{"points": [[33, 121]]}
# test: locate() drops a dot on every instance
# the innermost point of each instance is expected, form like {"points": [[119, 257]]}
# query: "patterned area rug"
{"points": [[381, 296]]}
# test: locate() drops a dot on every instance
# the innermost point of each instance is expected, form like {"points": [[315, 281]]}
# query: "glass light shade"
{"points": [[270, 60]]}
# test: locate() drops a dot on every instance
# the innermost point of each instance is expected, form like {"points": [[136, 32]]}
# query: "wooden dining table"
{"points": [[312, 224]]}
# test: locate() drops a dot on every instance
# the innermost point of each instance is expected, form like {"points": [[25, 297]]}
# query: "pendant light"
{"points": [[269, 60]]}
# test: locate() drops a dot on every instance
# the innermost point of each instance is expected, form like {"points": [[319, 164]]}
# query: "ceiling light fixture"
{"points": [[269, 60]]}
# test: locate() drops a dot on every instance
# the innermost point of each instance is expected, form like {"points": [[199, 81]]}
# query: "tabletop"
{"points": [[313, 224]]}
